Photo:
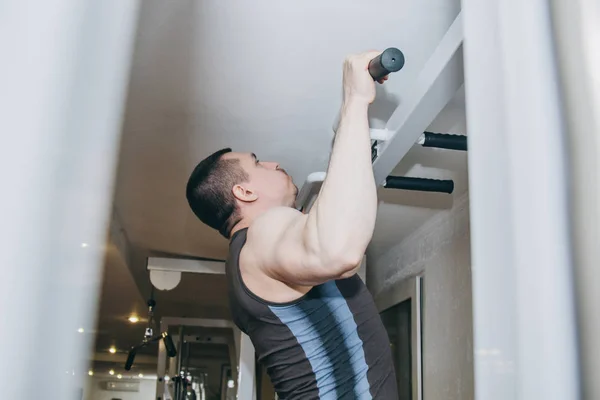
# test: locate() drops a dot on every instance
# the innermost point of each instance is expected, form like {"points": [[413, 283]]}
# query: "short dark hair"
{"points": [[209, 192]]}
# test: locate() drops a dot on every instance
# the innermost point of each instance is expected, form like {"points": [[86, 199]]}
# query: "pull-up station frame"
{"points": [[438, 82]]}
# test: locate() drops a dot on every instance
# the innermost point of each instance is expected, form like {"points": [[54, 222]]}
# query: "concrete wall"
{"points": [[440, 251]]}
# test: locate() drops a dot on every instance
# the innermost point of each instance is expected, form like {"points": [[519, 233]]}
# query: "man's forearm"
{"points": [[342, 220]]}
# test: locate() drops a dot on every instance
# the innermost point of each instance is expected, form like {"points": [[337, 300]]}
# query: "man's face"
{"points": [[270, 183]]}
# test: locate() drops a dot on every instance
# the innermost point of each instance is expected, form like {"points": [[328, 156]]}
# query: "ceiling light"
{"points": [[111, 372], [141, 375], [80, 330], [84, 245], [119, 376], [91, 373], [133, 319], [112, 350]]}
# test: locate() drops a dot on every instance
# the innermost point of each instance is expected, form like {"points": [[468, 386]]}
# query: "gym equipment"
{"points": [[443, 141], [150, 338], [391, 60], [438, 82], [419, 184]]}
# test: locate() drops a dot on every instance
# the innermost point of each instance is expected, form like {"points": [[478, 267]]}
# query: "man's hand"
{"points": [[358, 83]]}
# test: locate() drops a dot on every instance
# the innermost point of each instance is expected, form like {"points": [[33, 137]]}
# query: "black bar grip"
{"points": [[419, 184], [445, 141], [391, 60], [130, 358], [171, 350]]}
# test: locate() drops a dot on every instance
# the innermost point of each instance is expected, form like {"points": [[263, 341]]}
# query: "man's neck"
{"points": [[249, 217], [243, 224]]}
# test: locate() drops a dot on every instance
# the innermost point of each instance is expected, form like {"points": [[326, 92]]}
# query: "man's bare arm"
{"points": [[330, 241]]}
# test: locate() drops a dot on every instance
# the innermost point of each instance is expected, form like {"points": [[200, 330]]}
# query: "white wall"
{"points": [[94, 390], [440, 251]]}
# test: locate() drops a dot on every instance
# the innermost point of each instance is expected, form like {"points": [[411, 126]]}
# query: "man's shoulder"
{"points": [[273, 240], [273, 223]]}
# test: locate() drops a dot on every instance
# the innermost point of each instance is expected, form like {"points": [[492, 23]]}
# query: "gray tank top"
{"points": [[328, 344]]}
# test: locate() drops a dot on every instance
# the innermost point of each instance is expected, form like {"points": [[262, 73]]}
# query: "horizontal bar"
{"points": [[443, 141], [203, 338], [185, 265], [166, 322], [419, 184], [390, 60]]}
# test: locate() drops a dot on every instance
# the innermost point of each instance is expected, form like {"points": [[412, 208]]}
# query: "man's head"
{"points": [[226, 188]]}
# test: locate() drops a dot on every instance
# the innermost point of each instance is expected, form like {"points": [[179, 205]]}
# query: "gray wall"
{"points": [[440, 251], [448, 322]]}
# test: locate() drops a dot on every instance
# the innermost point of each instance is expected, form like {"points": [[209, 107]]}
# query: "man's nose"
{"points": [[271, 165]]}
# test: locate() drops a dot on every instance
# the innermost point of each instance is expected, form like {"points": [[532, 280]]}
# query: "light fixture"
{"points": [[141, 375], [119, 376], [91, 373], [111, 372], [112, 350], [133, 319], [80, 330], [84, 245], [230, 384]]}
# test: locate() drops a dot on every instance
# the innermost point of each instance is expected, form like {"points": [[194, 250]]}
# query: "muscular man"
{"points": [[292, 277]]}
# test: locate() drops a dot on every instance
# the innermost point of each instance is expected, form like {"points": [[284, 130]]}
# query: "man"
{"points": [[292, 277]]}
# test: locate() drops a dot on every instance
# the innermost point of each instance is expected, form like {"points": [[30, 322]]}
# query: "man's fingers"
{"points": [[369, 55]]}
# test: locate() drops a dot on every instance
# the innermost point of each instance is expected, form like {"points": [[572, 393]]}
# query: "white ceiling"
{"points": [[262, 76]]}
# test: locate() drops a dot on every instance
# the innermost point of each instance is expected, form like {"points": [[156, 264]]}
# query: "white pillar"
{"points": [[577, 33], [63, 78], [246, 375], [524, 334]]}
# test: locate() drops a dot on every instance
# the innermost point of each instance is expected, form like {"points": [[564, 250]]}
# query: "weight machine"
{"points": [[150, 338]]}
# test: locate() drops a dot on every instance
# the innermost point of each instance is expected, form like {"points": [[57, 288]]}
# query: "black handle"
{"points": [[391, 60], [419, 184], [171, 350], [445, 141], [130, 358]]}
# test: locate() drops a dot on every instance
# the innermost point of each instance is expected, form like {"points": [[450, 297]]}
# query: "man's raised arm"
{"points": [[331, 239]]}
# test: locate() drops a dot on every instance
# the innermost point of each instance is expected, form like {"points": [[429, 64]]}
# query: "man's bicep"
{"points": [[284, 251]]}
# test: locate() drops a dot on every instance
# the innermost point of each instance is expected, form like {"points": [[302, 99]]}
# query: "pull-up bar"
{"points": [[437, 83], [419, 184], [443, 141]]}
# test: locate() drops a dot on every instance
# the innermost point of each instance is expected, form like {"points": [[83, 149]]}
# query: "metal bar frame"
{"points": [[244, 354], [172, 264], [405, 290], [438, 82]]}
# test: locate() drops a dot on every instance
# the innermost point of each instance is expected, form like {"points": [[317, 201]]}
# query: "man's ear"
{"points": [[244, 194]]}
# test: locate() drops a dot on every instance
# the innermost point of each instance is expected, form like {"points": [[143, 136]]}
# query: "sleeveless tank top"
{"points": [[329, 344]]}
